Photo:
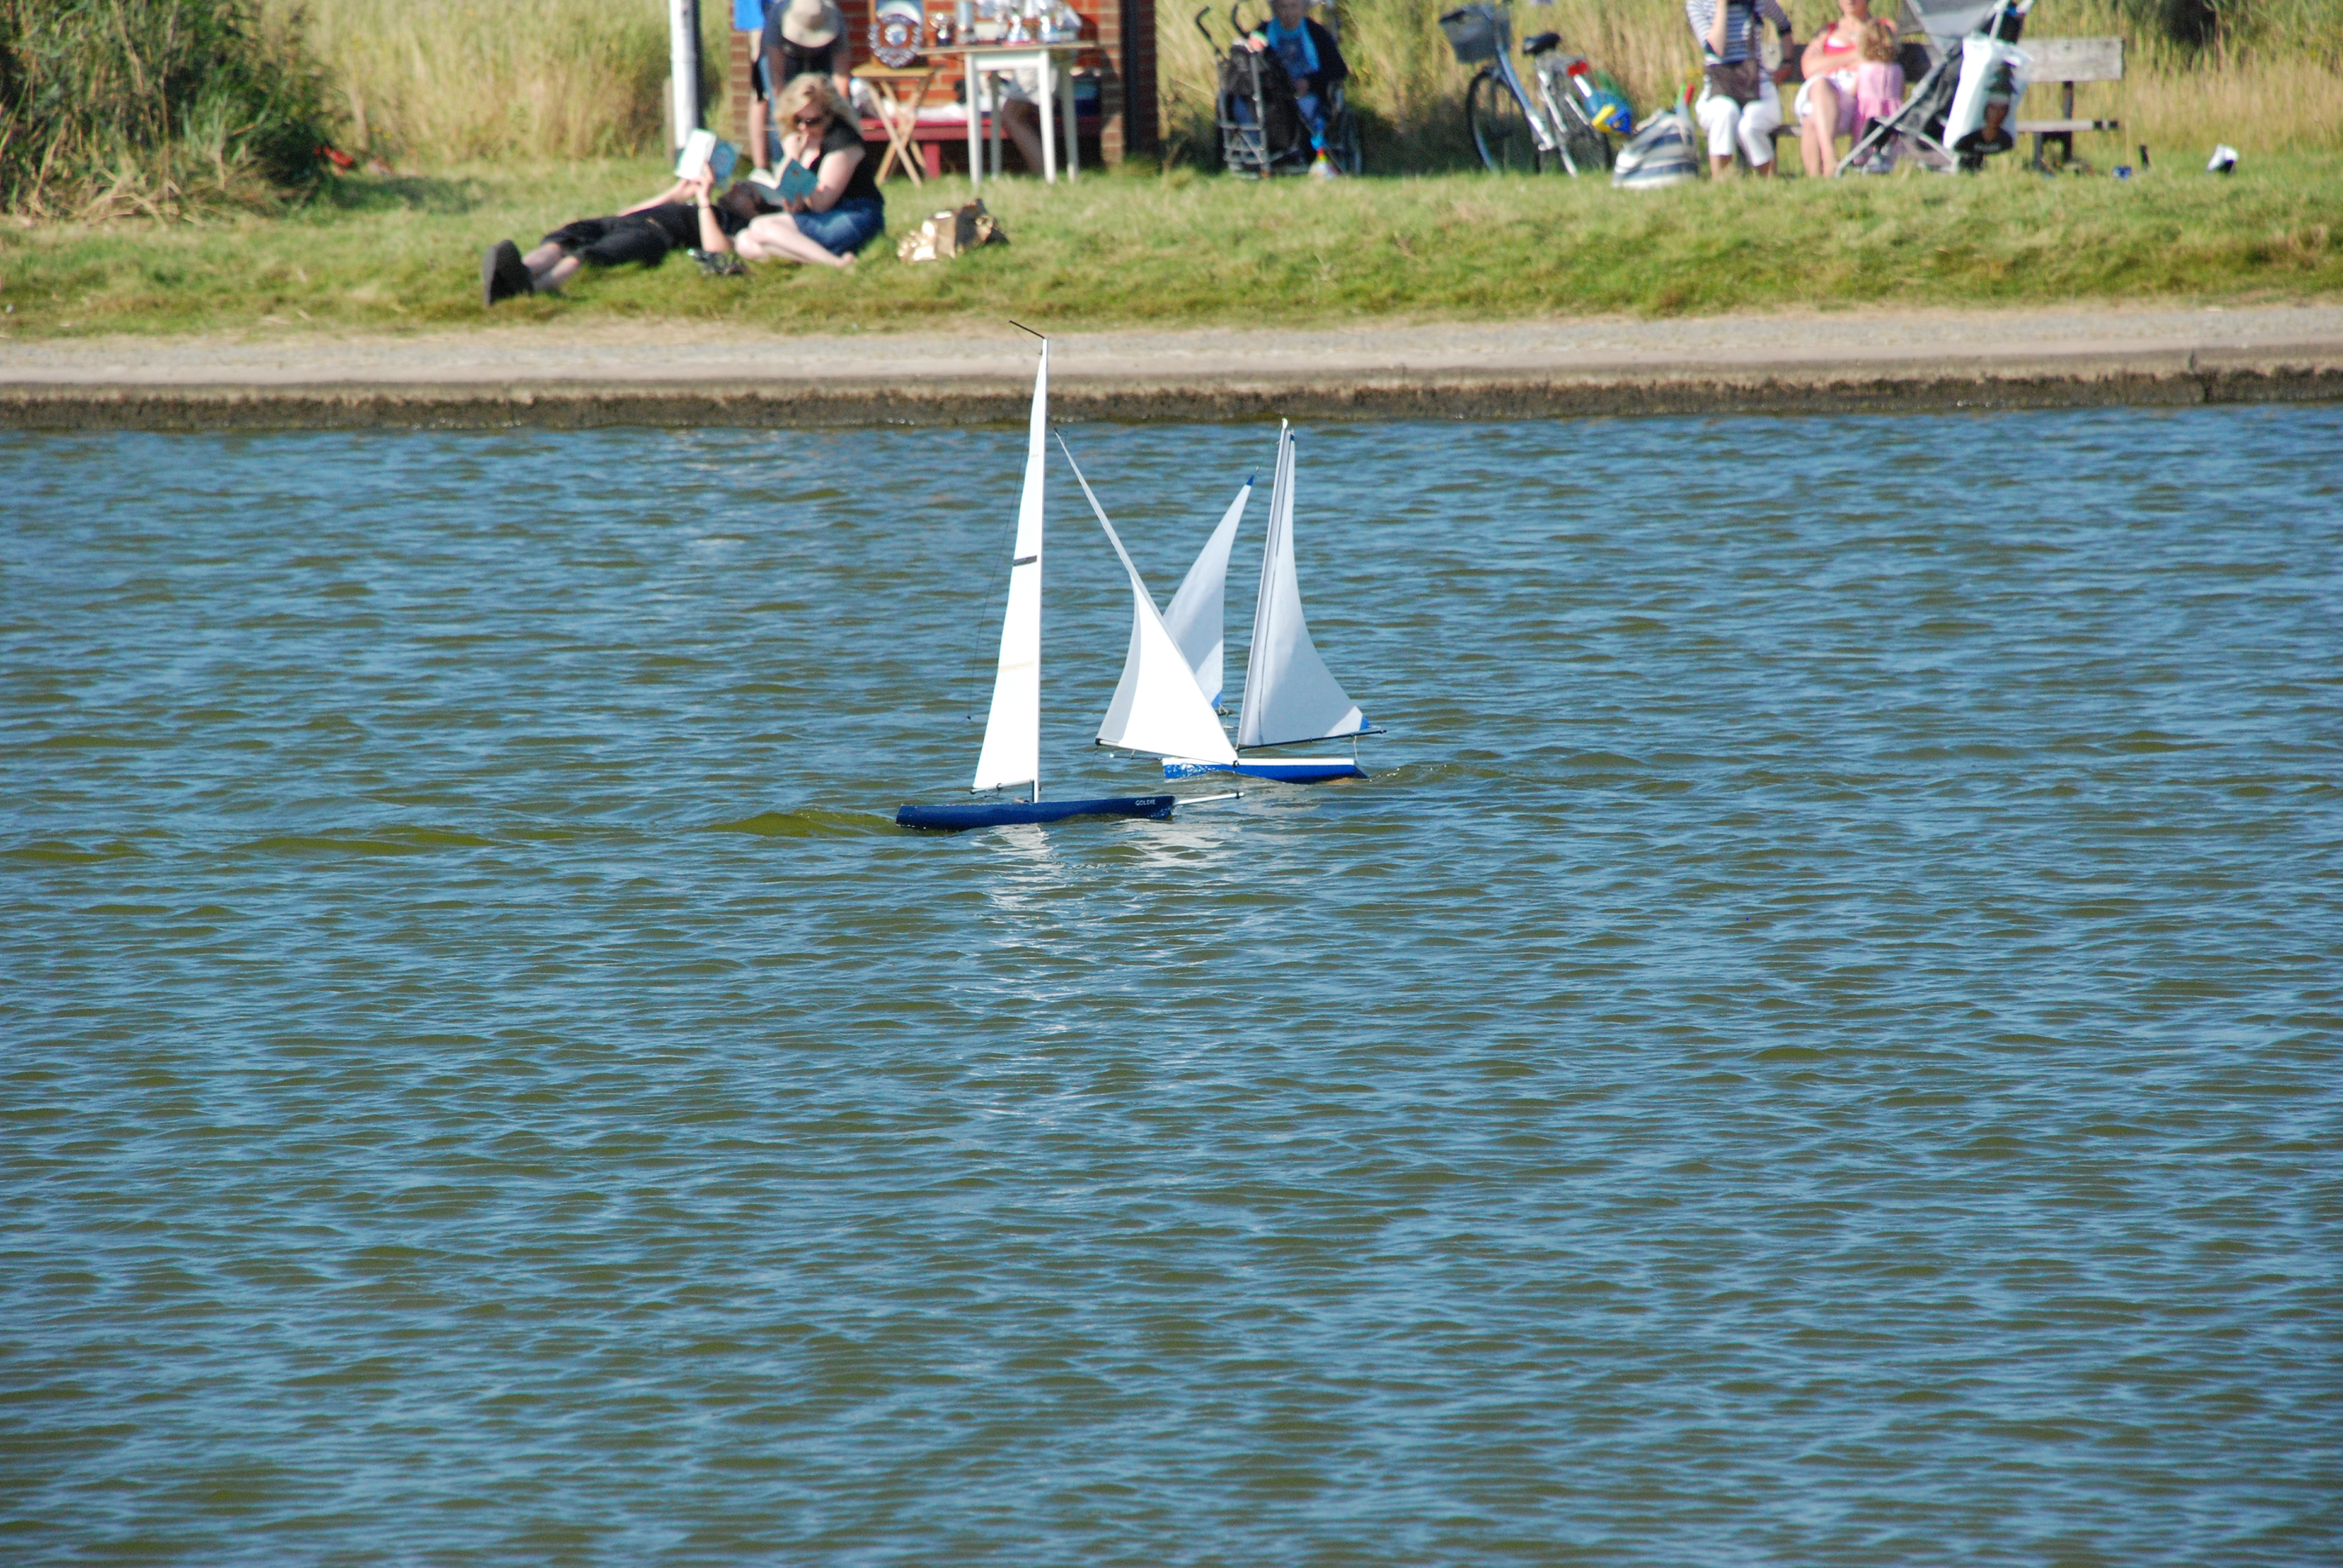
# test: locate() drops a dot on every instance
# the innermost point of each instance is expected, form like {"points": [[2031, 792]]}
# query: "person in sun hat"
{"points": [[798, 37]]}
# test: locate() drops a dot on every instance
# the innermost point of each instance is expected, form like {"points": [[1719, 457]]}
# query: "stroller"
{"points": [[1972, 66], [1259, 117]]}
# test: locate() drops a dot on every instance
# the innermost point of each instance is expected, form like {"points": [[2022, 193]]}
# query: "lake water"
{"points": [[1818, 1043]]}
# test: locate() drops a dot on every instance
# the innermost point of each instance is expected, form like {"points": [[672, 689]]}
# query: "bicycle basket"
{"points": [[1472, 33]]}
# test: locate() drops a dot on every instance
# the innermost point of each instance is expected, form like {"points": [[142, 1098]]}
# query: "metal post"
{"points": [[683, 70]]}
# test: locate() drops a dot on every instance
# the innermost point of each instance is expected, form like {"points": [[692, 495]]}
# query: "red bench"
{"points": [[931, 137]]}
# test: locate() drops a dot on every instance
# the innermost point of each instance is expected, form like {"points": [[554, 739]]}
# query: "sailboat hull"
{"points": [[1012, 813], [1290, 771]]}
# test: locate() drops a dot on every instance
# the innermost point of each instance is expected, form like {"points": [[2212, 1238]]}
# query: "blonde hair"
{"points": [[812, 88], [1879, 41]]}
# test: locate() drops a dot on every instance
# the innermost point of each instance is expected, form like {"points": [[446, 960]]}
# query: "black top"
{"points": [[680, 221], [864, 182]]}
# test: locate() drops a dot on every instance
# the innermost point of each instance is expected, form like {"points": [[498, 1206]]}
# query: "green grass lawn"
{"points": [[395, 254]]}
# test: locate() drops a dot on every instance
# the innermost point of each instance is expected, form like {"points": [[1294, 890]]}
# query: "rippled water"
{"points": [[1818, 1044]]}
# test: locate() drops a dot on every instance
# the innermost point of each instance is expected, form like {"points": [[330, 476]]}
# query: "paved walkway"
{"points": [[663, 375]]}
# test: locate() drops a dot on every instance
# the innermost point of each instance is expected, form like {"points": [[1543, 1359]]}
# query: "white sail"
{"points": [[1195, 619], [1012, 730], [1157, 708], [1289, 695]]}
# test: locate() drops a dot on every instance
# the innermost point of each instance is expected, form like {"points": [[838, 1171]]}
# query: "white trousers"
{"points": [[1751, 125]]}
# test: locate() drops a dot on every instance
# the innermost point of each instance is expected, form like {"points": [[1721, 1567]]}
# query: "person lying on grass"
{"points": [[684, 216]]}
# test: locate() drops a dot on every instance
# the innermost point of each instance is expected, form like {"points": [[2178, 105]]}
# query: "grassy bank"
{"points": [[1179, 248]]}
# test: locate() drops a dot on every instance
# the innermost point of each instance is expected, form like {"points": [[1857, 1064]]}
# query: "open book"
{"points": [[797, 180], [698, 148]]}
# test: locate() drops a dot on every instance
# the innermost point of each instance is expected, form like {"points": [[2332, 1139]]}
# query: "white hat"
{"points": [[810, 24]]}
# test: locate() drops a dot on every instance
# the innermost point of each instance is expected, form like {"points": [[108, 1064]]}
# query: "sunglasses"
{"points": [[813, 119]]}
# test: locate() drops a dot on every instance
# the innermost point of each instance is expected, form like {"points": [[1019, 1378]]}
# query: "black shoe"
{"points": [[503, 274]]}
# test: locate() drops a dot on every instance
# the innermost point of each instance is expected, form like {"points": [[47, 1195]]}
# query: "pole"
{"points": [[683, 70]]}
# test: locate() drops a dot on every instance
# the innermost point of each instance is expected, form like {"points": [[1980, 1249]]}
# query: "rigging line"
{"points": [[1085, 484]]}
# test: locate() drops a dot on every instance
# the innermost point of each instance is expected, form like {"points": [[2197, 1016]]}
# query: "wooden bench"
{"points": [[933, 136], [2068, 61]]}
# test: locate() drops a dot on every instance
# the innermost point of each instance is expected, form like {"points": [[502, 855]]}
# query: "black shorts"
{"points": [[613, 241]]}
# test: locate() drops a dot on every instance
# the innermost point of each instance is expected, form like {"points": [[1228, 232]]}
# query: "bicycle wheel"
{"points": [[1501, 130], [1587, 150], [1343, 144]]}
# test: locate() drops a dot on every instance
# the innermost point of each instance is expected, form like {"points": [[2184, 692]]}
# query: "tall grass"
{"points": [[152, 107], [2264, 76], [438, 82]]}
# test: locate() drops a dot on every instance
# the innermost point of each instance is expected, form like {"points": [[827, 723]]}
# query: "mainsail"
{"points": [[1157, 707], [1290, 694], [1012, 730], [1194, 619]]}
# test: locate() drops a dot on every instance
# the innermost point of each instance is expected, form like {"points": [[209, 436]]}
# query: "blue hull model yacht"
{"points": [[1290, 696], [1011, 755]]}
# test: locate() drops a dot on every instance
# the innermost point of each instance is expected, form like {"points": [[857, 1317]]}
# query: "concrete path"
{"points": [[560, 376]]}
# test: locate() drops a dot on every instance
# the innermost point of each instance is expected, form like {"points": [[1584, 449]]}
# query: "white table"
{"points": [[984, 60]]}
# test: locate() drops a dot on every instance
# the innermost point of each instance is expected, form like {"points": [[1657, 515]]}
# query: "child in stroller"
{"points": [[1280, 99], [1313, 64]]}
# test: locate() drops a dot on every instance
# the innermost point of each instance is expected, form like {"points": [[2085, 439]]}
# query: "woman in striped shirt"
{"points": [[1738, 104]]}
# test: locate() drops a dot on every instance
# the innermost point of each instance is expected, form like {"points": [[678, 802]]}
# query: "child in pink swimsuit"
{"points": [[1879, 80]]}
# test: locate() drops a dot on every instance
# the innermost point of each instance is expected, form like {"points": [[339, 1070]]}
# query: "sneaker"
{"points": [[502, 274], [719, 262], [1323, 169]]}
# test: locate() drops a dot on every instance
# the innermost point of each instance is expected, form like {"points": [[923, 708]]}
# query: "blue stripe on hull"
{"points": [[961, 819], [1299, 771]]}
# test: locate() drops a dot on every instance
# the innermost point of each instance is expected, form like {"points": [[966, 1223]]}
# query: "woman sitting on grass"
{"points": [[844, 211], [682, 217]]}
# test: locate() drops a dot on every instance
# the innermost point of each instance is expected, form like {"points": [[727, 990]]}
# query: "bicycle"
{"points": [[1513, 132]]}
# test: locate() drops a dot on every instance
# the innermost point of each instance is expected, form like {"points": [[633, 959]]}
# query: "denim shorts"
{"points": [[846, 227]]}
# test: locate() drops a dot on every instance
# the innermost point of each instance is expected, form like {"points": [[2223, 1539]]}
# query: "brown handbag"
{"points": [[1744, 80]]}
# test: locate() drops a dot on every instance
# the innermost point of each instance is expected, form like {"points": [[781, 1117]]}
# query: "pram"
{"points": [[1969, 64], [1258, 118]]}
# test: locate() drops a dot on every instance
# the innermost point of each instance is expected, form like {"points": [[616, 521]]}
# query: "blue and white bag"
{"points": [[1665, 153]]}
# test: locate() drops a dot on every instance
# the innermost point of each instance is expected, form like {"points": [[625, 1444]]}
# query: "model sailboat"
{"points": [[1290, 696], [1012, 754]]}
